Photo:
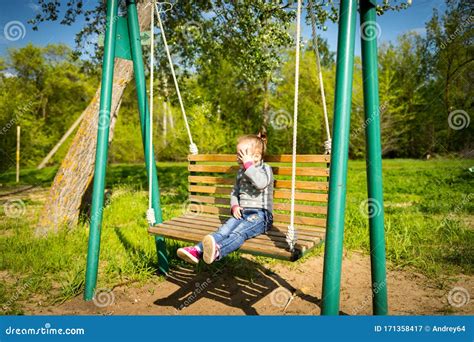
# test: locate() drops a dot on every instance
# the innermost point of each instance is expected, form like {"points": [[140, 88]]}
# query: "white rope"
{"points": [[193, 149], [291, 236], [327, 143], [150, 214]]}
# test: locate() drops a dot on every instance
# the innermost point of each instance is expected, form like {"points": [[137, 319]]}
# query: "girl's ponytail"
{"points": [[262, 136]]}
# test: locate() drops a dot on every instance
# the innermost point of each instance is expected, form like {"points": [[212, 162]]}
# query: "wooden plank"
{"points": [[277, 239], [261, 240], [211, 226], [248, 246], [211, 210], [278, 194], [301, 171], [303, 196], [314, 232], [277, 170], [210, 189], [211, 180], [303, 220], [303, 185], [300, 158], [310, 232], [310, 209], [210, 200], [212, 157], [283, 184], [213, 168], [283, 158]]}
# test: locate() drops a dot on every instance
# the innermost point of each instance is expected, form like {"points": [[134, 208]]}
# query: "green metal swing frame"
{"points": [[122, 40]]}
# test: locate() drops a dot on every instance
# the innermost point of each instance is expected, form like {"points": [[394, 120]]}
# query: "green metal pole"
{"points": [[373, 155], [139, 71], [339, 156], [101, 150]]}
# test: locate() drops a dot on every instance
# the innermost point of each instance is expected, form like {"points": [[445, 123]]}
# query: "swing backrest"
{"points": [[211, 177]]}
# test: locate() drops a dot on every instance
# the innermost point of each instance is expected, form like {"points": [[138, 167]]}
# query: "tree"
{"points": [[75, 174], [450, 55], [248, 33], [36, 95]]}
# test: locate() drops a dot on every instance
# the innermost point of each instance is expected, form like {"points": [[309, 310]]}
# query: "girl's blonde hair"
{"points": [[258, 141]]}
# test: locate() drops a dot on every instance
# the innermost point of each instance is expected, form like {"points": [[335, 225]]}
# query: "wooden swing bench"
{"points": [[211, 177]]}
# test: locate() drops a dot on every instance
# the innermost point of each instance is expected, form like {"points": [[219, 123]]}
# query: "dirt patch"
{"points": [[25, 202], [269, 290]]}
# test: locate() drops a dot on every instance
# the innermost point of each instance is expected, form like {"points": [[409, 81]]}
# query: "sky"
{"points": [[16, 32]]}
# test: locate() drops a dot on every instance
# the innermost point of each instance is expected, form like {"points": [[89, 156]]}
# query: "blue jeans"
{"points": [[233, 233]]}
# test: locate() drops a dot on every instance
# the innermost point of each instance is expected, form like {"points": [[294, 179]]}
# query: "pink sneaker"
{"points": [[189, 254], [210, 249]]}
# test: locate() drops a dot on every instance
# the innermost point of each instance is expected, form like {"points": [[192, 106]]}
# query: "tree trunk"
{"points": [[165, 124], [266, 105], [165, 108], [170, 116], [77, 169]]}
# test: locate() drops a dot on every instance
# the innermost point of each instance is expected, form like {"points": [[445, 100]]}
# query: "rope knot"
{"points": [[327, 146], [193, 149], [150, 216], [291, 237]]}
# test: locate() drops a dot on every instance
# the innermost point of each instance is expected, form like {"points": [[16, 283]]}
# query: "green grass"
{"points": [[428, 218], [427, 214]]}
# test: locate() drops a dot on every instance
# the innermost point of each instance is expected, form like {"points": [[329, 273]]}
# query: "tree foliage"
{"points": [[44, 91], [233, 57]]}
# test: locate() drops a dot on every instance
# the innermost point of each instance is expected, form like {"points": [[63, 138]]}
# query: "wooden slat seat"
{"points": [[211, 177]]}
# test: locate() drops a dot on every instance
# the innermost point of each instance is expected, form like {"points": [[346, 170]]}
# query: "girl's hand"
{"points": [[236, 212], [245, 156]]}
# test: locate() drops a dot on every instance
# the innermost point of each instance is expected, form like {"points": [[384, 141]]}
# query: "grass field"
{"points": [[428, 217]]}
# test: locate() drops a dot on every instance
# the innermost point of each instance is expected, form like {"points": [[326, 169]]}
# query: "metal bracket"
{"points": [[122, 39]]}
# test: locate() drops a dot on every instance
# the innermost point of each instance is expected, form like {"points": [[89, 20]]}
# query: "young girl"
{"points": [[251, 204]]}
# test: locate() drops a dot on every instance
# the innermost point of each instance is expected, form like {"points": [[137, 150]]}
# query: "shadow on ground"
{"points": [[224, 286]]}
